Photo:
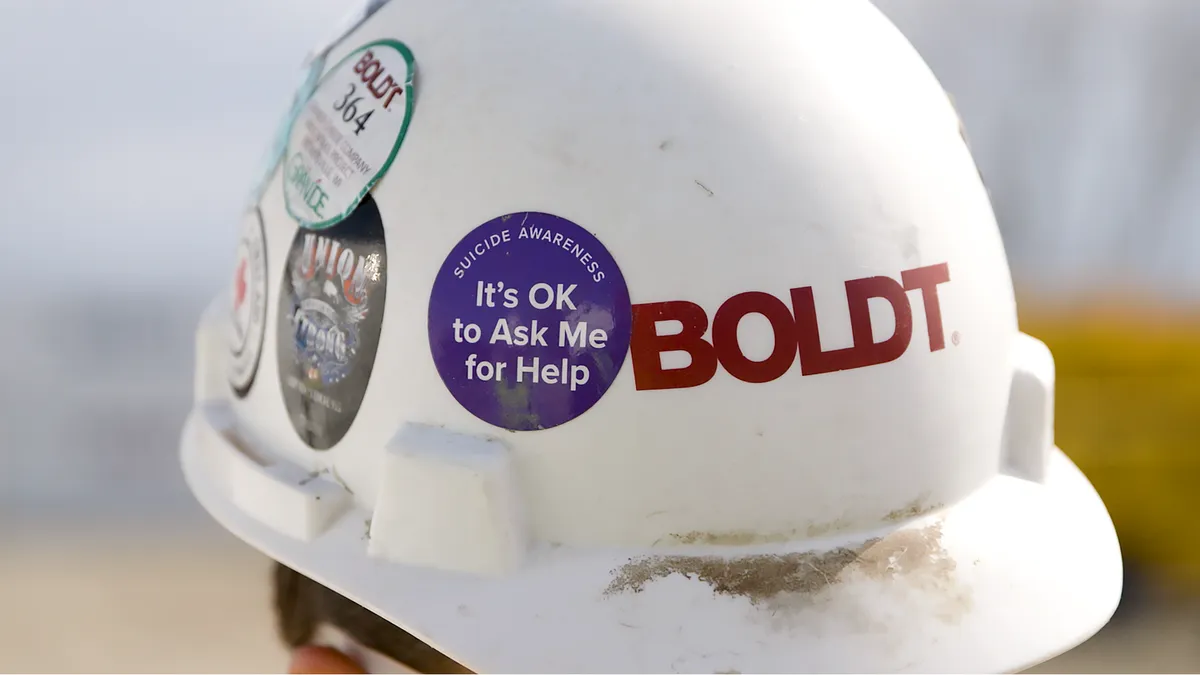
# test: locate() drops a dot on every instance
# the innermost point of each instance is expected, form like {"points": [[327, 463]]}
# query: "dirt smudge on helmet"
{"points": [[735, 538], [752, 538], [756, 577], [789, 581], [914, 509], [920, 506]]}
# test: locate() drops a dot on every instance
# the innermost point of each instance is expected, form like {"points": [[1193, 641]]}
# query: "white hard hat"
{"points": [[640, 335]]}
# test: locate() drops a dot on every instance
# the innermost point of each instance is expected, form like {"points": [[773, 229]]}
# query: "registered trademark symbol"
{"points": [[955, 338]]}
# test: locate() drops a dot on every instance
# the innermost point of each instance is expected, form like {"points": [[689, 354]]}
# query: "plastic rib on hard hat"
{"points": [[644, 336]]}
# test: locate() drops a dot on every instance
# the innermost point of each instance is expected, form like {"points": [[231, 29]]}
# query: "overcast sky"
{"points": [[132, 129]]}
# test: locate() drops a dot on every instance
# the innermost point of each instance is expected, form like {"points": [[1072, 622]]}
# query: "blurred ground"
{"points": [[103, 601]]}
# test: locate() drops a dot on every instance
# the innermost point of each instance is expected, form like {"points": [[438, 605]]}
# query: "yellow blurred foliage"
{"points": [[1128, 413]]}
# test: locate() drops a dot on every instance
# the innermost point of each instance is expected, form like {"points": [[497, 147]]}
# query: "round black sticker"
{"points": [[330, 312]]}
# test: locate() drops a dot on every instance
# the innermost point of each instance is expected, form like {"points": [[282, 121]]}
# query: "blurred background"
{"points": [[132, 132]]}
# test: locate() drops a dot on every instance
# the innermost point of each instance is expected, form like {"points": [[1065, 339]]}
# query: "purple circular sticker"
{"points": [[529, 321]]}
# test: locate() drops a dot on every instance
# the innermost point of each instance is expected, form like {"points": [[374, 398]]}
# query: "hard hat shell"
{"points": [[639, 335]]}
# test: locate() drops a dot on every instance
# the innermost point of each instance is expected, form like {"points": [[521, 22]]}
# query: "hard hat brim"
{"points": [[1014, 574]]}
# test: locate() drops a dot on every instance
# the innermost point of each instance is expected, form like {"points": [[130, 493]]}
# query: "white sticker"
{"points": [[248, 304], [347, 135]]}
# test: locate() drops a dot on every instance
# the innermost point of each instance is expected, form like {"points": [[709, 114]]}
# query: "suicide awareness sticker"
{"points": [[331, 305], [248, 304], [348, 133], [529, 321]]}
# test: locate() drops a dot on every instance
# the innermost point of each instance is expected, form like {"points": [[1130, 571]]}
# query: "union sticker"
{"points": [[248, 304], [348, 133], [529, 321], [331, 306]]}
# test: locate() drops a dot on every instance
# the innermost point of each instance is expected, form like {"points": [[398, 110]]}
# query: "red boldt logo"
{"points": [[795, 332]]}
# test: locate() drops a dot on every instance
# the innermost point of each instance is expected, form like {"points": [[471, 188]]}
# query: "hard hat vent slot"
{"points": [[277, 493]]}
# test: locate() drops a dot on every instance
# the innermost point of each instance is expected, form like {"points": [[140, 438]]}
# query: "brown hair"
{"points": [[302, 605]]}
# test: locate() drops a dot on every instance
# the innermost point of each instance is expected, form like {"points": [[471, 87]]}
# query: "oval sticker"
{"points": [[330, 312], [348, 133]]}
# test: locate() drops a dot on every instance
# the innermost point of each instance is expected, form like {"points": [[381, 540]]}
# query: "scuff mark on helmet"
{"points": [[919, 506], [914, 509], [771, 580]]}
